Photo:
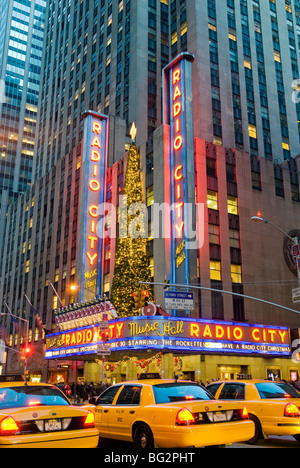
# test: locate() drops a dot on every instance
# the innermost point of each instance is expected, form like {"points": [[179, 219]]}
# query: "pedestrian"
{"points": [[297, 384]]}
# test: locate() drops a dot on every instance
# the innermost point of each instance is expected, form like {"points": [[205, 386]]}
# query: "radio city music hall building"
{"points": [[50, 237]]}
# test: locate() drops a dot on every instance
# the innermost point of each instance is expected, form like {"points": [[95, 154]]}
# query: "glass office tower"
{"points": [[21, 49]]}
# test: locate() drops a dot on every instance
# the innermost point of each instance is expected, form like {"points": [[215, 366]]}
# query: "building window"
{"points": [[252, 131], [236, 273], [150, 196], [106, 283], [212, 200], [232, 205], [215, 270], [234, 238], [214, 234]]}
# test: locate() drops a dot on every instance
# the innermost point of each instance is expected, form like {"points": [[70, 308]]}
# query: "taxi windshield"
{"points": [[276, 390], [173, 392], [31, 396]]}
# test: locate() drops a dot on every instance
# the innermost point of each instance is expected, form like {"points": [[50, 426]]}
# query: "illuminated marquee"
{"points": [[173, 334], [178, 113], [94, 165]]}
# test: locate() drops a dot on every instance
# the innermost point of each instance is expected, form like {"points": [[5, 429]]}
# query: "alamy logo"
{"points": [[133, 222], [296, 92], [296, 352]]}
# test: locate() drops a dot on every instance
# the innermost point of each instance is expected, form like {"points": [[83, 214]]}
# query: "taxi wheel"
{"points": [[258, 431], [143, 437]]}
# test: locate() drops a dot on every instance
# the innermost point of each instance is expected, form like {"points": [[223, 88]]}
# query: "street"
{"points": [[271, 443]]}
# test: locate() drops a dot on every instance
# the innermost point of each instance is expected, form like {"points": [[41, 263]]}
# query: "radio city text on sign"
{"points": [[261, 335], [177, 145], [95, 186]]}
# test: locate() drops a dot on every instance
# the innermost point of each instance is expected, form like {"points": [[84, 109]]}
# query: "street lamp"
{"points": [[75, 288], [267, 221]]}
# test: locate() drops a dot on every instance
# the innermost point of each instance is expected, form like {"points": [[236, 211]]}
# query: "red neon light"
{"points": [[91, 210], [96, 143], [176, 175], [94, 185], [176, 76]]}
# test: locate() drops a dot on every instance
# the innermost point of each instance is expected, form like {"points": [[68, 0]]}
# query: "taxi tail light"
{"points": [[291, 410], [245, 414], [8, 426], [184, 417], [89, 420]]}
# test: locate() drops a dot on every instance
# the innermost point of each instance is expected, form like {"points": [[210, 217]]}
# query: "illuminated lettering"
{"points": [[238, 333], [179, 229], [93, 211], [178, 142], [207, 332], [176, 76], [92, 258], [220, 332], [177, 108], [96, 143], [282, 335], [194, 330], [94, 185], [95, 156], [177, 93], [97, 127], [93, 240], [176, 175], [254, 334]]}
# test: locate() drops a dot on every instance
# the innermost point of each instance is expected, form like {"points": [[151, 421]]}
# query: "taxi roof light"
{"points": [[291, 410], [8, 426]]}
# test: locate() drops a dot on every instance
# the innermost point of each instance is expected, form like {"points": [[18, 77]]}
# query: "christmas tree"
{"points": [[132, 261]]}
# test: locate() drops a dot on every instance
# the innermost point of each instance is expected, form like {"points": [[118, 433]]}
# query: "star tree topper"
{"points": [[133, 131]]}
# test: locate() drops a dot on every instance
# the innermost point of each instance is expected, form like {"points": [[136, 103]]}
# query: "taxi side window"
{"points": [[232, 392], [213, 388], [130, 395], [108, 396]]}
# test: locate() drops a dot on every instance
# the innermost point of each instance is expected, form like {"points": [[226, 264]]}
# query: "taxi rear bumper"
{"points": [[205, 434], [86, 438]]}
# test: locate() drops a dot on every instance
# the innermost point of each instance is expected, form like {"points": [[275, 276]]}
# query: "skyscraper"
{"points": [[21, 49], [107, 56]]}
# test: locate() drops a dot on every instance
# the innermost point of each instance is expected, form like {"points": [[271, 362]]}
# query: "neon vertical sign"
{"points": [[178, 114], [93, 182]]}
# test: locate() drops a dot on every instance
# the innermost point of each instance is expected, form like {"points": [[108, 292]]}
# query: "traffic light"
{"points": [[144, 298], [25, 352], [105, 336], [136, 300]]}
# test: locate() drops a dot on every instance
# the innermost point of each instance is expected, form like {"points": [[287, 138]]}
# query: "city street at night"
{"points": [[149, 226]]}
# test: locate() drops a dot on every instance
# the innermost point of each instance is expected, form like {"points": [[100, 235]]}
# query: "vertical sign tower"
{"points": [[178, 114], [93, 183]]}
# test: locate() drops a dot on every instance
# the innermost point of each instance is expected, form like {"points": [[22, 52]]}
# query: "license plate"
{"points": [[52, 425], [219, 417]]}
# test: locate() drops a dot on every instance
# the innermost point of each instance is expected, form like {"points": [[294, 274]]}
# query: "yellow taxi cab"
{"points": [[273, 406], [169, 414], [40, 416]]}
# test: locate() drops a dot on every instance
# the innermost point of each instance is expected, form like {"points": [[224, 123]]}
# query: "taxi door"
{"points": [[102, 412], [124, 412]]}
